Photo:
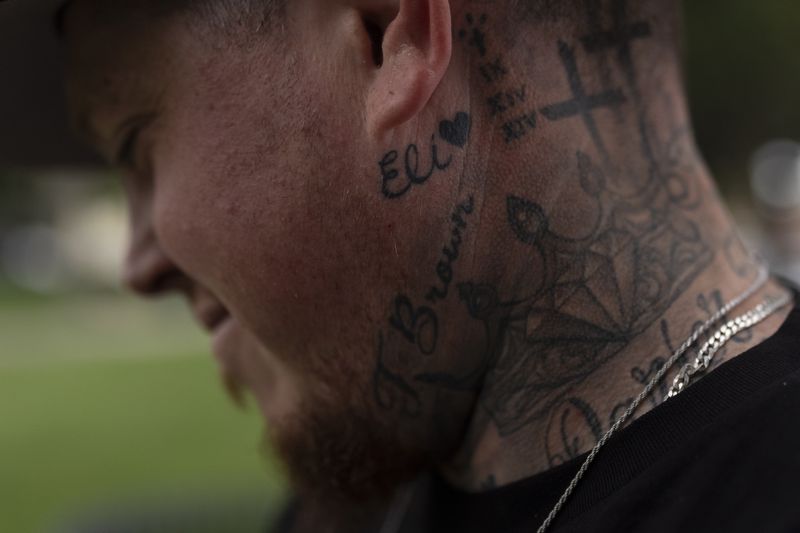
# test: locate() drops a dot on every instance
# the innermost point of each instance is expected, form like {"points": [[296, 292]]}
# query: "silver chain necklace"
{"points": [[720, 337], [394, 518], [705, 355]]}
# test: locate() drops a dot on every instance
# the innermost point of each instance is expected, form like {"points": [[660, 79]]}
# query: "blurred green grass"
{"points": [[103, 400]]}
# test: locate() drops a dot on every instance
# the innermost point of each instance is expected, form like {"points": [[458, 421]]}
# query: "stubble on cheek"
{"points": [[304, 279], [320, 421]]}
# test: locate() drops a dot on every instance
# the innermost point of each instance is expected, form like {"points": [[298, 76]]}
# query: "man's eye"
{"points": [[126, 155]]}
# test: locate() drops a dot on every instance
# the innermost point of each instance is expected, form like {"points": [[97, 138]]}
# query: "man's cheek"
{"points": [[309, 293]]}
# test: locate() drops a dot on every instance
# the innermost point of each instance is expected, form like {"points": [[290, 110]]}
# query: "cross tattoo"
{"points": [[582, 104], [621, 36], [594, 23]]}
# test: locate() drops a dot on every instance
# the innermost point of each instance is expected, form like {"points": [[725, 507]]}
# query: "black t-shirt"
{"points": [[724, 455]]}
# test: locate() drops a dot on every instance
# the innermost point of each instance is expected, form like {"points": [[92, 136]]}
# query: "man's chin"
{"points": [[342, 456]]}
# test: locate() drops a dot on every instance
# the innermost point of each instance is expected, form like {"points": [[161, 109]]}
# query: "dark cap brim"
{"points": [[34, 130]]}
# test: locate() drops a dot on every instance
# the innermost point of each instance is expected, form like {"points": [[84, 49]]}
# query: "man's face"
{"points": [[255, 190]]}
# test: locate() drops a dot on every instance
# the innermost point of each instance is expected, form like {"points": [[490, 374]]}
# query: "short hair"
{"points": [[228, 15], [232, 15]]}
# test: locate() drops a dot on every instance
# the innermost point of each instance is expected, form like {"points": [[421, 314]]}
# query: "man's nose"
{"points": [[148, 270]]}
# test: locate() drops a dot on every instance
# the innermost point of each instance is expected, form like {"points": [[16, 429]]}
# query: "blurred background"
{"points": [[110, 407]]}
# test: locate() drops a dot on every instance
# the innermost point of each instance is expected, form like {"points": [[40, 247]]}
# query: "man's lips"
{"points": [[225, 344], [211, 318], [219, 323]]}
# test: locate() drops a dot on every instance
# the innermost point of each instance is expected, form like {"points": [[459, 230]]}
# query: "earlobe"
{"points": [[416, 51]]}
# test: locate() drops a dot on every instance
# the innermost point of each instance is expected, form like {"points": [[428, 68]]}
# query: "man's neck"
{"points": [[568, 358], [603, 242]]}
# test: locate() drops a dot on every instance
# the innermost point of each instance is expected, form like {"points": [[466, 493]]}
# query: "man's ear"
{"points": [[414, 55]]}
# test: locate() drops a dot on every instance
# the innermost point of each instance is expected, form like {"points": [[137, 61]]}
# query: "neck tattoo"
{"points": [[394, 518], [717, 339]]}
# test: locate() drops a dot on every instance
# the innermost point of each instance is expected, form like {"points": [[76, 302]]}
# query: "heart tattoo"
{"points": [[456, 131]]}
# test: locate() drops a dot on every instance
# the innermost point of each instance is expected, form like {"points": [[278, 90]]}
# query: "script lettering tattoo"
{"points": [[418, 325], [709, 304], [519, 127], [571, 419], [483, 304], [444, 268], [644, 376], [390, 390], [473, 34], [389, 172], [494, 71], [502, 101], [618, 411], [398, 177]]}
